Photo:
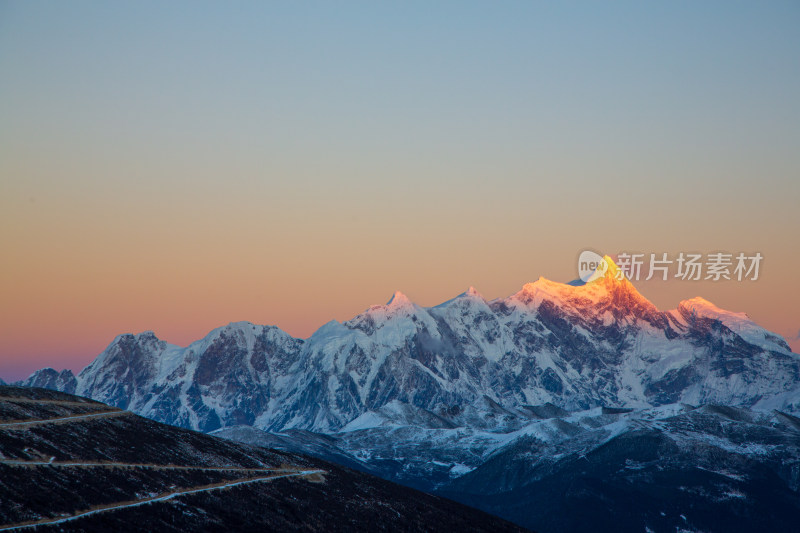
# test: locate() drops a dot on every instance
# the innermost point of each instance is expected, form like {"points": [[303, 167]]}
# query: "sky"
{"points": [[176, 166]]}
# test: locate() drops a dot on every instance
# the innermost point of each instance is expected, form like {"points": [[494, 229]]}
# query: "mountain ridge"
{"points": [[576, 398], [599, 343]]}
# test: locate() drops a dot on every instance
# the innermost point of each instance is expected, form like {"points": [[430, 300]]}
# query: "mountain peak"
{"points": [[606, 270], [701, 307], [700, 302], [148, 335], [607, 289], [239, 325], [739, 323], [472, 292], [398, 299], [542, 284], [469, 297], [612, 270]]}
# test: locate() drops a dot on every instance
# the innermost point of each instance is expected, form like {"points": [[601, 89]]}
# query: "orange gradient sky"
{"points": [[174, 170]]}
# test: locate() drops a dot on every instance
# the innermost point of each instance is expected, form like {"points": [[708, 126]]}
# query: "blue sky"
{"points": [[175, 166]]}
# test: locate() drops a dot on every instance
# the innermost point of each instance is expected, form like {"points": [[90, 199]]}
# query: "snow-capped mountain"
{"points": [[578, 398], [467, 361]]}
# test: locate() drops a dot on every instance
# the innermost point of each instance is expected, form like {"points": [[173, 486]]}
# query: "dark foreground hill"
{"points": [[673, 468], [72, 464]]}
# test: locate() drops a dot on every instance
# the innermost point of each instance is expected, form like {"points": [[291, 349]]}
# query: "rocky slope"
{"points": [[72, 464]]}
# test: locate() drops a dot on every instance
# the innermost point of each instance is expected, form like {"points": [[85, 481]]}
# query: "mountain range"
{"points": [[494, 399]]}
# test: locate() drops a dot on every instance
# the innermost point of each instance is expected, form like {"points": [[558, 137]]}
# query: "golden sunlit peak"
{"points": [[606, 269], [612, 270], [531, 287]]}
